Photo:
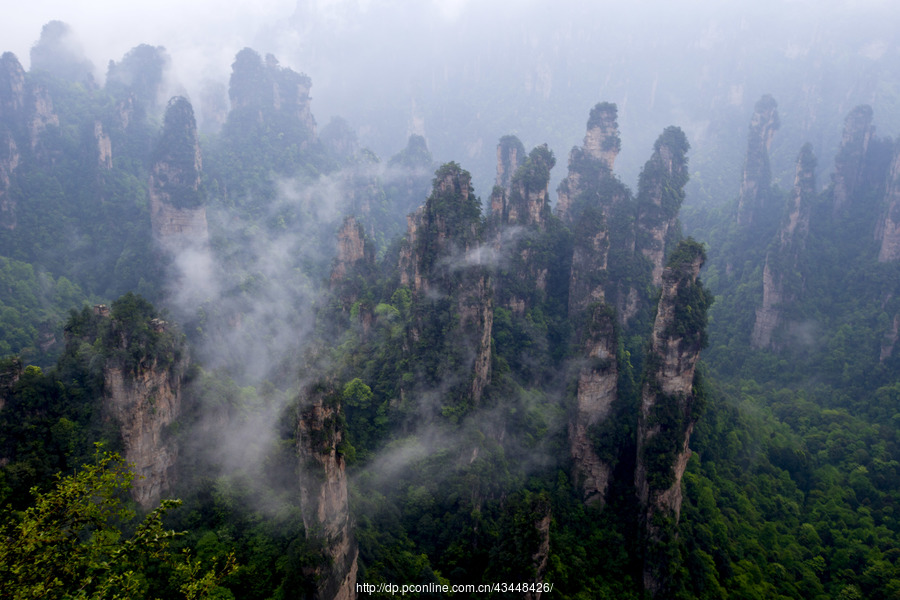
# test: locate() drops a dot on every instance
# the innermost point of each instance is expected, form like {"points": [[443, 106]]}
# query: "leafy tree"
{"points": [[70, 543]]}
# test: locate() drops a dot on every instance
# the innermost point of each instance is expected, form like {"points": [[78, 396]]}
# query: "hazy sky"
{"points": [[685, 63]]}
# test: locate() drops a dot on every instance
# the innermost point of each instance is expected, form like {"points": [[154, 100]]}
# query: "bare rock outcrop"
{"points": [[144, 404], [323, 496], [142, 395], [592, 162], [596, 393], [353, 249], [660, 194], [104, 147], [757, 179], [779, 285], [889, 227], [177, 212]]}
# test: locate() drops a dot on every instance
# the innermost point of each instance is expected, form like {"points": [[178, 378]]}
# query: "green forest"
{"points": [[263, 362]]}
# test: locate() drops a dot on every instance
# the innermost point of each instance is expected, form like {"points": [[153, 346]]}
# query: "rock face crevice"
{"points": [[323, 496]]}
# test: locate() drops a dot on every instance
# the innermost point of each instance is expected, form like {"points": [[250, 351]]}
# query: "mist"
{"points": [[465, 73]]}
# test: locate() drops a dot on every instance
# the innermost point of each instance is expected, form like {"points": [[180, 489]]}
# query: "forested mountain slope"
{"points": [[362, 371]]}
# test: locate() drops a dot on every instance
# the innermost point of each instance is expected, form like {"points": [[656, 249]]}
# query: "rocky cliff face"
{"points": [[596, 392], [529, 200], [667, 414], [26, 108], [781, 262], [444, 262], [889, 228], [594, 161], [9, 160], [177, 213], [352, 250], [510, 156], [267, 91], [660, 194], [323, 496], [142, 383], [12, 89], [755, 188], [602, 138], [140, 75], [353, 266], [42, 115], [104, 147], [518, 223], [543, 516], [850, 161]]}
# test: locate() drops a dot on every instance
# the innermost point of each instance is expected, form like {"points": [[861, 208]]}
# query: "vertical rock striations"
{"points": [[668, 404], [177, 211], [323, 495], [104, 147], [660, 194], [755, 188], [596, 393], [779, 285], [9, 161], [353, 250], [142, 382], [353, 269]]}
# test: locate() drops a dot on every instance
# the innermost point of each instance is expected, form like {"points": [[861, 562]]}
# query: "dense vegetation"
{"points": [[792, 486]]}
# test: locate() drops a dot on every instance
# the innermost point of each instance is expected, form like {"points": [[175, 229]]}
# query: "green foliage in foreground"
{"points": [[71, 543]]}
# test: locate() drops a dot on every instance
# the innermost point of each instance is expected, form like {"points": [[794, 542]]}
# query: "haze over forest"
{"points": [[600, 300]]}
